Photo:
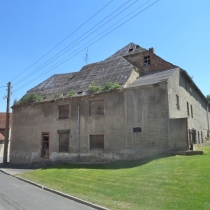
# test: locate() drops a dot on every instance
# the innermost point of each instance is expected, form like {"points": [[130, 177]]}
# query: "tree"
{"points": [[208, 97]]}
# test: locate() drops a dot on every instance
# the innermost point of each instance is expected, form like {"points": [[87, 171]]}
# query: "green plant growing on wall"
{"points": [[71, 93], [110, 86], [94, 88], [208, 97], [16, 102], [30, 98], [57, 95], [107, 86]]}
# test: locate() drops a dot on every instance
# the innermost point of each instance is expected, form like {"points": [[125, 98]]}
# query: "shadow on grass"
{"points": [[112, 165]]}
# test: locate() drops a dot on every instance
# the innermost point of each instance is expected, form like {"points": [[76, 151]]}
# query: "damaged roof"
{"points": [[115, 69]]}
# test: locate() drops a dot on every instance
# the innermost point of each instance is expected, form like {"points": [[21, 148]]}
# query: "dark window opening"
{"points": [[191, 111], [146, 60], [97, 142], [136, 129], [96, 107], [130, 50], [45, 145], [63, 142], [177, 102], [63, 111], [188, 110]]}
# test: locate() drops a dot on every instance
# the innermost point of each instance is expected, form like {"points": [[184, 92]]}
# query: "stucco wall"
{"points": [[178, 139], [179, 85], [144, 107]]}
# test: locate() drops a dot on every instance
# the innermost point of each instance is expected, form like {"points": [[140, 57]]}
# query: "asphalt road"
{"points": [[18, 195]]}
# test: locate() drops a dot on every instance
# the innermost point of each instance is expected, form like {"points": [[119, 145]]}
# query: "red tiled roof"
{"points": [[1, 137], [3, 120]]}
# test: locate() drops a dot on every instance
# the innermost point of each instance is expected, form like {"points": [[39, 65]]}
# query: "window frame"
{"points": [[147, 60], [59, 111], [191, 108], [48, 149], [63, 132], [93, 114], [188, 109], [177, 102]]}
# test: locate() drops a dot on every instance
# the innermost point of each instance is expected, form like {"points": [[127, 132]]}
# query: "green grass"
{"points": [[161, 183]]}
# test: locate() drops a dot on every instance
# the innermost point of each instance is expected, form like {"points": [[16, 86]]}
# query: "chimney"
{"points": [[152, 50]]}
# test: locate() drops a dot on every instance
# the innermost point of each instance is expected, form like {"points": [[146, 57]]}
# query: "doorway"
{"points": [[45, 145]]}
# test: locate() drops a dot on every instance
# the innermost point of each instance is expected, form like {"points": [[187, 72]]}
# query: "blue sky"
{"points": [[178, 30]]}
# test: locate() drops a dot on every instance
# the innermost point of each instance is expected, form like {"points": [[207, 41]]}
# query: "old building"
{"points": [[132, 105]]}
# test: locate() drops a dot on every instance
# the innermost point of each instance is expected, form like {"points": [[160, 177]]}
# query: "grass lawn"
{"points": [[161, 183]]}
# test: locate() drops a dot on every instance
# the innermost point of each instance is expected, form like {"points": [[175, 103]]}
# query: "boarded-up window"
{"points": [[63, 111], [96, 141], [96, 107], [63, 142]]}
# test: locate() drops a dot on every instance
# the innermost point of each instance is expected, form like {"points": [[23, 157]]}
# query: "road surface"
{"points": [[18, 195]]}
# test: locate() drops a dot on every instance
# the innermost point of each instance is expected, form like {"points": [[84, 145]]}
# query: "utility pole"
{"points": [[6, 139]]}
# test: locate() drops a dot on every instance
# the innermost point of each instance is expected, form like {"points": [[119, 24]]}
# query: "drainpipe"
{"points": [[78, 131], [208, 118]]}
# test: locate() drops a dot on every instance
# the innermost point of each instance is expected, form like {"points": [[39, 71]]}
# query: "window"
{"points": [[146, 60], [188, 110], [63, 111], [137, 129], [191, 111], [96, 107], [63, 140], [177, 102], [97, 142], [45, 145]]}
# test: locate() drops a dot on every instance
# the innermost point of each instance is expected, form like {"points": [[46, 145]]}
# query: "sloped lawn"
{"points": [[161, 183]]}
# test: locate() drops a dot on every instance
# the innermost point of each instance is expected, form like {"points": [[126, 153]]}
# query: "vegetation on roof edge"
{"points": [[30, 98], [33, 97], [107, 86]]}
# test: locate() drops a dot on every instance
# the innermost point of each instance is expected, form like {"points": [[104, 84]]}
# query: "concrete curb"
{"points": [[59, 193]]}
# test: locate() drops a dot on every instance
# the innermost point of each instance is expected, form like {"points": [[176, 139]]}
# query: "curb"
{"points": [[59, 193]]}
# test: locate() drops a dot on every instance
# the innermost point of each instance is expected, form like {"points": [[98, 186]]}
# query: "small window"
{"points": [[63, 111], [137, 129], [177, 102], [191, 111], [97, 142], [146, 60], [188, 110], [96, 107]]}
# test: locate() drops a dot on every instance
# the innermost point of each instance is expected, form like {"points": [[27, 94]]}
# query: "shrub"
{"points": [[57, 95], [71, 93], [107, 86], [110, 86], [94, 88], [30, 98]]}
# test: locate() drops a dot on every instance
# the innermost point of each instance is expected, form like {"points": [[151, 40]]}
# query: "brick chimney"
{"points": [[152, 50]]}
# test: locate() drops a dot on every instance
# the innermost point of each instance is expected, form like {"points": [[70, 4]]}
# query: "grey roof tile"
{"points": [[152, 78]]}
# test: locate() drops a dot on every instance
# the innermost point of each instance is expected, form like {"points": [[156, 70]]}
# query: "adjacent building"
{"points": [[2, 131]]}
